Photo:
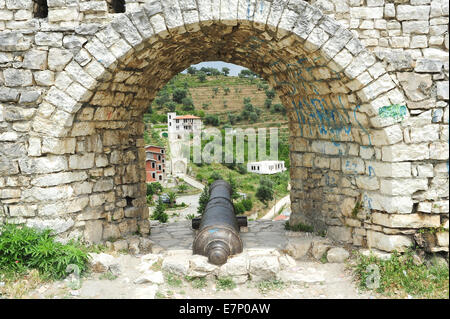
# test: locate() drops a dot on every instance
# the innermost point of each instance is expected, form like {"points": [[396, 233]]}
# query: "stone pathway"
{"points": [[266, 257]]}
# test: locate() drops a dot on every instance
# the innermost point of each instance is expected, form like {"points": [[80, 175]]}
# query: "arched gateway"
{"points": [[73, 157]]}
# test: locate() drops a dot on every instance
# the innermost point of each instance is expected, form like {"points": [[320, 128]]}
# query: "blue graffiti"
{"points": [[371, 172], [318, 111]]}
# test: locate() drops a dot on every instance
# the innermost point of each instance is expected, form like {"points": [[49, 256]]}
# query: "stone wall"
{"points": [[365, 84]]}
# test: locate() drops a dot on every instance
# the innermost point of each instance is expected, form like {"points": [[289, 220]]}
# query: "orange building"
{"points": [[155, 163]]}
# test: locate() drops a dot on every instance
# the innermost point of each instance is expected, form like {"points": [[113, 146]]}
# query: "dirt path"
{"points": [[306, 277]]}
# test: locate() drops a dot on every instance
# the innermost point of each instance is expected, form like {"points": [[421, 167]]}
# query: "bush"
{"points": [[188, 104], [204, 198], [24, 248], [248, 204], [159, 213], [178, 95], [265, 190], [154, 188], [215, 176], [241, 168], [239, 208]]}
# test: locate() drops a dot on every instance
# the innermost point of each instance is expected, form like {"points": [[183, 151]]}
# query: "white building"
{"points": [[266, 167], [183, 124]]}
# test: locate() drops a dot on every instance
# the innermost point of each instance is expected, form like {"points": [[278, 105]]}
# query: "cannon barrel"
{"points": [[218, 229]]}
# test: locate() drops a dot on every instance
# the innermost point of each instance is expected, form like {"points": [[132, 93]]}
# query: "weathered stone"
{"points": [[155, 277], [298, 247], [102, 262], [337, 255], [388, 242], [176, 264]]}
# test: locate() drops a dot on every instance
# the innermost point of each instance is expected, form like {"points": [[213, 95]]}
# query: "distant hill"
{"points": [[222, 97]]}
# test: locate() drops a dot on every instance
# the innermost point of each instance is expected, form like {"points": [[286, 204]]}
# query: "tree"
{"points": [[172, 199], [268, 103], [212, 120], [159, 213], [270, 94], [265, 190], [214, 177], [162, 99], [171, 106], [178, 95], [225, 71], [248, 204], [154, 188], [191, 70], [182, 188], [188, 104], [233, 184], [201, 76], [204, 198]]}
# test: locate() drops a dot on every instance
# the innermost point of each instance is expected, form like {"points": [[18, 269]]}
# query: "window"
{"points": [[153, 175], [160, 177], [159, 157], [159, 167], [153, 165], [162, 151], [116, 6], [40, 9]]}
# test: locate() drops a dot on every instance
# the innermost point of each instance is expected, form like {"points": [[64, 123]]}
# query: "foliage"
{"points": [[225, 284], [188, 104], [172, 198], [225, 71], [265, 190], [270, 93], [173, 280], [23, 248], [212, 120], [179, 94], [400, 276], [159, 213], [214, 177], [241, 168], [203, 200], [154, 188], [239, 208], [248, 204], [201, 77], [182, 188], [300, 227], [267, 285]]}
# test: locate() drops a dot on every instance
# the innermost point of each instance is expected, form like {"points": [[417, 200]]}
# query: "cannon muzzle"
{"points": [[218, 229]]}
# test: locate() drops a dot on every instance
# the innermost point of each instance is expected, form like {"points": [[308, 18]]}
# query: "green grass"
{"points": [[197, 282], [268, 285], [107, 276], [299, 227], [225, 284], [400, 277], [173, 280]]}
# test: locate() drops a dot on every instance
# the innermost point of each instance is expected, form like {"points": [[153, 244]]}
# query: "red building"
{"points": [[155, 163]]}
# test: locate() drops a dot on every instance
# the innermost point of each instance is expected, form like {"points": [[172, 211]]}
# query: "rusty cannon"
{"points": [[218, 229]]}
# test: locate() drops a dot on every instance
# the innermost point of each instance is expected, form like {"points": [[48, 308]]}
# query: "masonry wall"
{"points": [[378, 179]]}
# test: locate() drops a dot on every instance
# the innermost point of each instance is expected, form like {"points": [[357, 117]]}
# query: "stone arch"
{"points": [[89, 129]]}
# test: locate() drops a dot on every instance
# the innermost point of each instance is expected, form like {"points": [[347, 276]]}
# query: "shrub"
{"points": [[239, 208], [265, 190], [203, 200], [178, 95], [24, 248], [215, 176], [241, 168], [159, 213], [248, 204]]}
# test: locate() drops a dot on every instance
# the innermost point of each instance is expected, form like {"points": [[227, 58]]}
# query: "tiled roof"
{"points": [[187, 117]]}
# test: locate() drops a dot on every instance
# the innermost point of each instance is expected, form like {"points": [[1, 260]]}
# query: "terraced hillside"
{"points": [[220, 96]]}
